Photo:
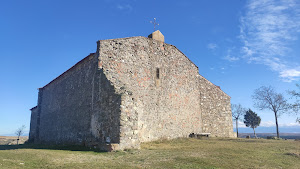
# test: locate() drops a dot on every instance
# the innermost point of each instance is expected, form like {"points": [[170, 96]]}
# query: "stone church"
{"points": [[132, 90]]}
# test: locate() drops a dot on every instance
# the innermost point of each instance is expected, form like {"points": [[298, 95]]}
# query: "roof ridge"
{"points": [[68, 70]]}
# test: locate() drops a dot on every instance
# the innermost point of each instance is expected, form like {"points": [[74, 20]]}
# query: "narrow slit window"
{"points": [[157, 73]]}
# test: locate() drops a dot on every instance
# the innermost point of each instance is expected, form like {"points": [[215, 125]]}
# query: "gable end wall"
{"points": [[177, 104]]}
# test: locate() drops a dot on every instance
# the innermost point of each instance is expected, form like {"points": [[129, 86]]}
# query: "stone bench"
{"points": [[199, 135]]}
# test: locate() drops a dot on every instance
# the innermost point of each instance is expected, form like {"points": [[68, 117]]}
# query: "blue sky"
{"points": [[239, 46]]}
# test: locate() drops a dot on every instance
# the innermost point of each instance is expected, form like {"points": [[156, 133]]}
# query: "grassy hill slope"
{"points": [[178, 153]]}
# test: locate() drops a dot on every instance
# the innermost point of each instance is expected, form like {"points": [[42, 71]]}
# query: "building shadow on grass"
{"points": [[50, 147]]}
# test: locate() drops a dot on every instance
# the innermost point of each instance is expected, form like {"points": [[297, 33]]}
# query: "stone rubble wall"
{"points": [[78, 107], [65, 106], [105, 117], [216, 110], [152, 108], [33, 124]]}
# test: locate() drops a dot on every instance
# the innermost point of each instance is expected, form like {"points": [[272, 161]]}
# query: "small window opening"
{"points": [[157, 73]]}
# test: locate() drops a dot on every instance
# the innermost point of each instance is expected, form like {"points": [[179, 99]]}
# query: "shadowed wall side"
{"points": [[33, 124], [105, 117], [79, 107]]}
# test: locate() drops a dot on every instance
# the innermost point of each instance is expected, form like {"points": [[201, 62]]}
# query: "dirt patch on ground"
{"points": [[12, 140], [294, 154]]}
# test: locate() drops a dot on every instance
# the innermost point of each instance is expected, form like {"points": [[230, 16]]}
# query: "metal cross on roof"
{"points": [[154, 23]]}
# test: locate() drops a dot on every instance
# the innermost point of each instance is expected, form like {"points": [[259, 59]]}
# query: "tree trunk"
{"points": [[18, 140], [276, 125], [254, 132], [237, 128]]}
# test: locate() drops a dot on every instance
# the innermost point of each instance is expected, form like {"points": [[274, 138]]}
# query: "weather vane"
{"points": [[154, 23]]}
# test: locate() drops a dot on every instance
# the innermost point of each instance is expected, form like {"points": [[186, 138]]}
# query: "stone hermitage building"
{"points": [[131, 90]]}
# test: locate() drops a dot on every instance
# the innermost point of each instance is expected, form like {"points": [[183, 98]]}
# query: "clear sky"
{"points": [[239, 45]]}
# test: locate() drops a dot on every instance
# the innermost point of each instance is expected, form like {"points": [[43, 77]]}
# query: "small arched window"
{"points": [[157, 73]]}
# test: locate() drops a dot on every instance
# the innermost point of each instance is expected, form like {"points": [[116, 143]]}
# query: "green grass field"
{"points": [[178, 153]]}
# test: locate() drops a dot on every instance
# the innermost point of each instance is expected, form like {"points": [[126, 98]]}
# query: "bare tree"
{"points": [[266, 97], [296, 105], [237, 114], [19, 132]]}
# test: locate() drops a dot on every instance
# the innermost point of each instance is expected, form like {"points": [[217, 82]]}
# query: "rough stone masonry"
{"points": [[131, 90]]}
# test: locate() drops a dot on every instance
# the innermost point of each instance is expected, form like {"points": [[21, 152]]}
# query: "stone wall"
{"points": [[105, 118], [131, 90], [78, 107], [33, 124], [216, 110], [164, 107], [66, 105]]}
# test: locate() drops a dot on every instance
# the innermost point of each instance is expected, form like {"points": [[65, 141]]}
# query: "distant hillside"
{"points": [[259, 129], [12, 140], [264, 135]]}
